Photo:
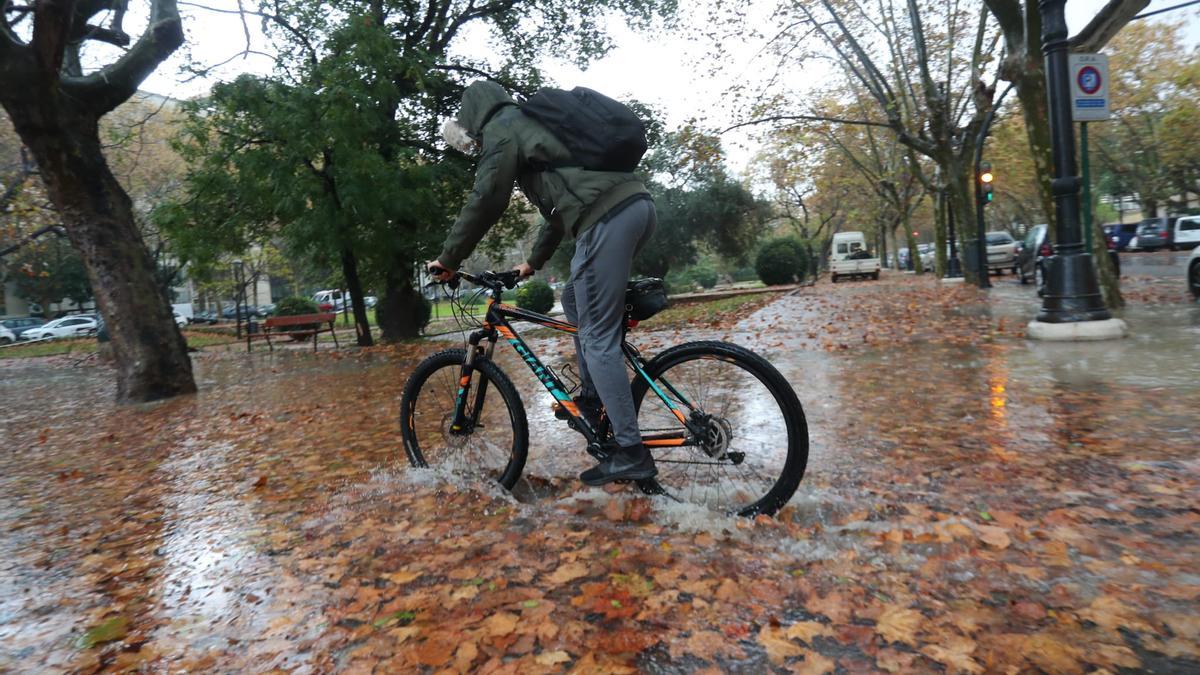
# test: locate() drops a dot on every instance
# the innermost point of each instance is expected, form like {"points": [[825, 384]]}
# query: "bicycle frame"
{"points": [[497, 324]]}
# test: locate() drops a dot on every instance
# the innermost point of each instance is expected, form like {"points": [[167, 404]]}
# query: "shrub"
{"points": [[781, 261], [535, 296], [705, 276], [295, 306]]}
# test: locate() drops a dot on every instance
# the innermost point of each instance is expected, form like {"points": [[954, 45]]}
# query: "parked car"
{"points": [[370, 301], [849, 257], [1121, 234], [1152, 234], [928, 256], [19, 326], [1186, 233], [1001, 251], [208, 317], [902, 258], [1193, 274], [180, 320], [1034, 248], [7, 337], [266, 310], [78, 325]]}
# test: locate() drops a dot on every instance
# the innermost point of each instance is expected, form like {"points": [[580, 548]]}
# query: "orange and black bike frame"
{"points": [[497, 324]]}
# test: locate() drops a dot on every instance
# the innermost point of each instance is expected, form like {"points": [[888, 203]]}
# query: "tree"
{"points": [[698, 205], [339, 150], [55, 108], [925, 84], [49, 271]]}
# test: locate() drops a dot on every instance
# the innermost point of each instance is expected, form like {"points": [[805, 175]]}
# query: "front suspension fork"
{"points": [[464, 423]]}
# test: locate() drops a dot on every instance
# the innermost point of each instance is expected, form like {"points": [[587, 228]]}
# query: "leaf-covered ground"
{"points": [[974, 503]]}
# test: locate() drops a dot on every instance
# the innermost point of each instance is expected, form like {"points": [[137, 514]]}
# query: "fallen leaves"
{"points": [[567, 572], [899, 624]]}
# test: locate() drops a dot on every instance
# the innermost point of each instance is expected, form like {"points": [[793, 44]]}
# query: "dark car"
{"points": [[1120, 234], [19, 326], [209, 317], [1035, 247], [1153, 234]]}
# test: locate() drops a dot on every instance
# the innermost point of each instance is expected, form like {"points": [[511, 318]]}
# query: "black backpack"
{"points": [[602, 134]]}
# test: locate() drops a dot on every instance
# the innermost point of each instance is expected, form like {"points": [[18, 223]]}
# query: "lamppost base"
{"points": [[1077, 331], [953, 280], [1072, 292]]}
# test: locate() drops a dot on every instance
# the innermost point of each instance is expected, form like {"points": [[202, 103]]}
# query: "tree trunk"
{"points": [[962, 201], [362, 327], [150, 352], [402, 311], [1031, 92]]}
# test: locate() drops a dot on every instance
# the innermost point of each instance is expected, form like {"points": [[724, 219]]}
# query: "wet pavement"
{"points": [[973, 502]]}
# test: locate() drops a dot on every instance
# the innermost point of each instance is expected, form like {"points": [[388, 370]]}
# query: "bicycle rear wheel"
{"points": [[755, 447], [495, 446]]}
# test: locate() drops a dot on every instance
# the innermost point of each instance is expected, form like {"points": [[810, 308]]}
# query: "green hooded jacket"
{"points": [[570, 199]]}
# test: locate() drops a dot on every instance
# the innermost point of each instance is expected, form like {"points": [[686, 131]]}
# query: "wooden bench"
{"points": [[309, 324]]}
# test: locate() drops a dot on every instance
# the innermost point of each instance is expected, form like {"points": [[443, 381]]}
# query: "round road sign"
{"points": [[1089, 79]]}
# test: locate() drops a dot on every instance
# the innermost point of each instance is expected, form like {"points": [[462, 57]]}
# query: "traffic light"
{"points": [[985, 182]]}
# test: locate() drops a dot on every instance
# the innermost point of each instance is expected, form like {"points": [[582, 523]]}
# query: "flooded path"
{"points": [[974, 502]]}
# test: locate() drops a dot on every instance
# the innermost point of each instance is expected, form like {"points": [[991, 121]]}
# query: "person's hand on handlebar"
{"points": [[525, 270], [438, 271]]}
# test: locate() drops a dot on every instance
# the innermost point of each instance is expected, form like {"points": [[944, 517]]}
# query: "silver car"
{"points": [[1001, 251]]}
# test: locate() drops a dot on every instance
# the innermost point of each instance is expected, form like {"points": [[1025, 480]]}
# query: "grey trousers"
{"points": [[594, 300]]}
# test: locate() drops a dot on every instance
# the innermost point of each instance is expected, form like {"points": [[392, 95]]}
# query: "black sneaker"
{"points": [[627, 463]]}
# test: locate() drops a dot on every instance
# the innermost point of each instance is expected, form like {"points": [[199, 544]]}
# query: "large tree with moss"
{"points": [[55, 104]]}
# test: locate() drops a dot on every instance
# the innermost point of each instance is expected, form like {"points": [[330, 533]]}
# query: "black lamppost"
{"points": [[1072, 290], [239, 285]]}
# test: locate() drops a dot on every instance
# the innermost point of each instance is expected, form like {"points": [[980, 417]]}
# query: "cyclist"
{"points": [[609, 214]]}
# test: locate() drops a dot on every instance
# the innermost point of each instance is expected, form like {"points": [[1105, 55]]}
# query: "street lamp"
{"points": [[1072, 307], [238, 275]]}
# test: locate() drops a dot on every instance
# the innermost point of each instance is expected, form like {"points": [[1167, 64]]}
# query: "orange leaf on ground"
{"points": [[813, 664], [779, 647], [805, 631], [552, 658], [436, 651], [898, 624], [500, 623], [955, 654], [996, 537], [567, 572], [1052, 655]]}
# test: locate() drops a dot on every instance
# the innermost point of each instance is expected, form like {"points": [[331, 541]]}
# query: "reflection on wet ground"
{"points": [[973, 502]]}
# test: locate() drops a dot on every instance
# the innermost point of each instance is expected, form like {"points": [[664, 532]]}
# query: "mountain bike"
{"points": [[724, 426]]}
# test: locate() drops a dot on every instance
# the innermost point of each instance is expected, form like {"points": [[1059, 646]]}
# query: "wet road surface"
{"points": [[973, 502]]}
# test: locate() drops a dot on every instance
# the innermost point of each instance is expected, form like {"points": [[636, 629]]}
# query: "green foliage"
{"points": [[704, 274], [698, 204], [295, 306], [536, 296], [50, 270], [339, 152], [781, 261]]}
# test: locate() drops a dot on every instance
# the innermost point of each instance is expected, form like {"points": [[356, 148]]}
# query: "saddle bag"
{"points": [[644, 298]]}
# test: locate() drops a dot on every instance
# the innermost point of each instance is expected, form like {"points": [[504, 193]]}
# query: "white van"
{"points": [[1187, 233], [850, 257], [331, 300]]}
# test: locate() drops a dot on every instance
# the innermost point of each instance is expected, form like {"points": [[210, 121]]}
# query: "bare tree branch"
{"points": [[106, 89], [1107, 23], [804, 118]]}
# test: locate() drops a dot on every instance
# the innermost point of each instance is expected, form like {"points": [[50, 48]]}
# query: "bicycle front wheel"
{"points": [[754, 446], [494, 443]]}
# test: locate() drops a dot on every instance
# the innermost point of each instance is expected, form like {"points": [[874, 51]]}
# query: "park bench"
{"points": [[298, 327]]}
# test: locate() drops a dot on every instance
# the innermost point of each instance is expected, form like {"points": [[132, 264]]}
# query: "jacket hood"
{"points": [[479, 102]]}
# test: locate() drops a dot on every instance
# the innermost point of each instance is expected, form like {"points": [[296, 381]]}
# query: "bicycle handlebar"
{"points": [[495, 281]]}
